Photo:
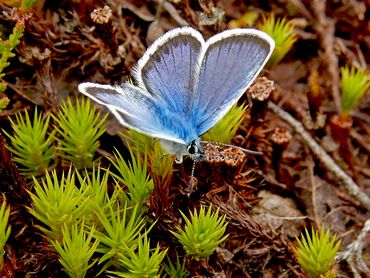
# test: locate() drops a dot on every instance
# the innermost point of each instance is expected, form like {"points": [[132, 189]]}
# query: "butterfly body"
{"points": [[185, 85]]}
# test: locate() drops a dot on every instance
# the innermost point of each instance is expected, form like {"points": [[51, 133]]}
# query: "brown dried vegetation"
{"points": [[267, 199]]}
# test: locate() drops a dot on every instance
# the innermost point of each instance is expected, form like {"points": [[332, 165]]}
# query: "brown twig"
{"points": [[360, 140], [353, 252], [280, 139], [329, 163], [301, 8], [325, 28], [168, 7], [314, 187]]}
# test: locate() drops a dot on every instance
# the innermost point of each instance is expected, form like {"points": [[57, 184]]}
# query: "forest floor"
{"points": [[268, 199]]}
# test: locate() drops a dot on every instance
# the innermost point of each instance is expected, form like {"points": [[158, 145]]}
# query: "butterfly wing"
{"points": [[132, 107], [185, 85], [167, 68], [228, 64], [161, 101]]}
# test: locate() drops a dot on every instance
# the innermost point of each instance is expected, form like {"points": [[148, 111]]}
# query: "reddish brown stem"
{"points": [[340, 129], [280, 138]]}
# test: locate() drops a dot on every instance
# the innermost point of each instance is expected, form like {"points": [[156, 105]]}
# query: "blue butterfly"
{"points": [[185, 85]]}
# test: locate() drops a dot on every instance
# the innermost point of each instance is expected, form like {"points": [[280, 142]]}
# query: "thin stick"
{"points": [[351, 187], [353, 252], [325, 27]]}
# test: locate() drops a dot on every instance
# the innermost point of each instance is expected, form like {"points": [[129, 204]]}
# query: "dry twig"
{"points": [[353, 253], [174, 13], [325, 27], [329, 163]]}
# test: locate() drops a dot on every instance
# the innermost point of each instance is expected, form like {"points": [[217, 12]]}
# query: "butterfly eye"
{"points": [[192, 148]]}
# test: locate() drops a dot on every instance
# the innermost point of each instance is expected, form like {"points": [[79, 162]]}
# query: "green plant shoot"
{"points": [[135, 176], [137, 141], [247, 19], [57, 203], [31, 145], [27, 4], [95, 188], [281, 31], [176, 271], [79, 129], [75, 250], [203, 233], [355, 83], [316, 252], [142, 262], [4, 230], [3, 101], [121, 228], [227, 127], [6, 50], [159, 165]]}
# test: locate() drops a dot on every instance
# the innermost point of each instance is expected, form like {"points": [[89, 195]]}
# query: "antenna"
{"points": [[232, 146]]}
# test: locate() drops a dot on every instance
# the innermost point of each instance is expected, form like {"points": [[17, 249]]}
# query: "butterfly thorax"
{"points": [[194, 149], [178, 124]]}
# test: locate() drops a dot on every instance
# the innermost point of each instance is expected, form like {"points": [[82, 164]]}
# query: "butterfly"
{"points": [[184, 85]]}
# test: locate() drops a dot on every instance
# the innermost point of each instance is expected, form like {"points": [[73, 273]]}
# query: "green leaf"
{"points": [[4, 229]]}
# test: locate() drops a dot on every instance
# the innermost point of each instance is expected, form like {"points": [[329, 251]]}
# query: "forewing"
{"points": [[132, 107], [167, 68], [229, 63]]}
